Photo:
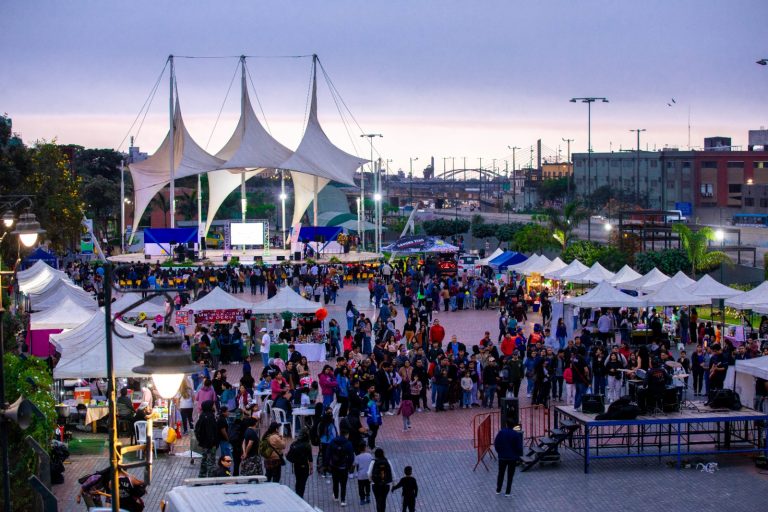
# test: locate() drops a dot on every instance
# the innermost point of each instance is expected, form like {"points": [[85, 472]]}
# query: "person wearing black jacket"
{"points": [[207, 437], [410, 490], [300, 455], [384, 386], [509, 448], [490, 381], [341, 458]]}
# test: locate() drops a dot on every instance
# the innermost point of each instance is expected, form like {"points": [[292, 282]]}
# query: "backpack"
{"points": [[382, 472], [338, 458], [292, 455], [265, 449], [205, 431]]}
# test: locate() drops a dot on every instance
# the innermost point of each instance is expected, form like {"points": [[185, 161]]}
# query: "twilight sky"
{"points": [[443, 78]]}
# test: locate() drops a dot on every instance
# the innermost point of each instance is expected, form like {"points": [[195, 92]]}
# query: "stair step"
{"points": [[549, 440], [568, 423], [559, 432], [528, 459], [539, 449]]}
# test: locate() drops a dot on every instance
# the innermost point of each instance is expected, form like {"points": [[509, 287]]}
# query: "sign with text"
{"points": [[223, 316]]}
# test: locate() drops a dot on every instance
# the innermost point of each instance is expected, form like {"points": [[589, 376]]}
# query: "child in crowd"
{"points": [[363, 459], [410, 490], [406, 409], [466, 388]]}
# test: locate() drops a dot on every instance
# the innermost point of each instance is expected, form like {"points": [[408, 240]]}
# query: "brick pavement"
{"points": [[439, 447]]}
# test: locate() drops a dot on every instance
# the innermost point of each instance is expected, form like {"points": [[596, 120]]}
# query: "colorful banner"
{"points": [[182, 317], [220, 316]]}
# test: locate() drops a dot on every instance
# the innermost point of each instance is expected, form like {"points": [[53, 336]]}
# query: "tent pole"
{"points": [[122, 206], [171, 136], [314, 201], [200, 226], [243, 86]]}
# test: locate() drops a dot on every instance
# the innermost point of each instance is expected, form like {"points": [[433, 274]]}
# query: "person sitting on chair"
{"points": [[124, 405]]}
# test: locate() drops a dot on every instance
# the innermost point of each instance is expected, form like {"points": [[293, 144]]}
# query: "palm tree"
{"points": [[563, 222], [696, 245], [187, 205], [164, 205]]}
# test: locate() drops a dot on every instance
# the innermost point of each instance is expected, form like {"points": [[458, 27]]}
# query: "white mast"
{"points": [[172, 194], [243, 89]]}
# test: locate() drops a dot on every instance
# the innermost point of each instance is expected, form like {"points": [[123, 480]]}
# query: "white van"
{"points": [[235, 493]]}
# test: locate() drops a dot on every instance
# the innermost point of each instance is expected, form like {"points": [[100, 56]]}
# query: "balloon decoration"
{"points": [[321, 314]]}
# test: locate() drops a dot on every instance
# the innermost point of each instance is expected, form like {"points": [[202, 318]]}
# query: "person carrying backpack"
{"points": [[380, 474], [207, 436], [341, 457], [300, 455]]}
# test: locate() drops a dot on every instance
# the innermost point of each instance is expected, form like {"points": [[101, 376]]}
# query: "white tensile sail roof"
{"points": [[62, 292], [654, 276], [150, 176], [708, 287], [484, 261], [756, 298], [670, 294], [626, 273], [249, 150], [520, 267], [286, 300], [67, 314], [153, 307], [680, 279], [604, 296]]}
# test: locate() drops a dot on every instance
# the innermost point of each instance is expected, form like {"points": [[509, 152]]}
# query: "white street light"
{"points": [[28, 229], [377, 197], [9, 218], [167, 363], [608, 226], [719, 235]]}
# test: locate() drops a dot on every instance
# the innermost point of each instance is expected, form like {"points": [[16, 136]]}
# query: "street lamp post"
{"points": [[589, 100], [283, 197], [514, 175], [720, 237], [410, 174], [637, 165], [376, 189], [570, 176]]}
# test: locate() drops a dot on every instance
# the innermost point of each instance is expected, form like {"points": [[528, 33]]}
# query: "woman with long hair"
{"points": [[271, 449]]}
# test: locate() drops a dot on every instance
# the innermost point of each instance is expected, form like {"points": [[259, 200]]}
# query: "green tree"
{"points": [[562, 222], [186, 205], [669, 261], [506, 232], [102, 200], [161, 202], [443, 227], [533, 238], [484, 230], [553, 190], [696, 246]]}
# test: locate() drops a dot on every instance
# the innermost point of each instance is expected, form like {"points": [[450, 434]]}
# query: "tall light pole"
{"points": [[570, 176], [445, 177], [376, 189], [514, 175], [283, 197], [410, 175], [589, 101], [637, 165]]}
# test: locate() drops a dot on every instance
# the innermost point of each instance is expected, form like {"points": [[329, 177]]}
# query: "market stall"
{"points": [[57, 290], [711, 289], [596, 274], [680, 279], [625, 274], [641, 284], [572, 269], [155, 306], [67, 314], [37, 276]]}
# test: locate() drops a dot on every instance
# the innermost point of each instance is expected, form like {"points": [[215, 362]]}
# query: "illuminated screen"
{"points": [[247, 233]]}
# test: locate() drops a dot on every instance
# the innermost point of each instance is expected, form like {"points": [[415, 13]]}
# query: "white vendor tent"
{"points": [[218, 299], [83, 349], [670, 294], [742, 378], [755, 298], [626, 273], [596, 274], [554, 265], [484, 261], [520, 267], [67, 314], [680, 279], [153, 307], [653, 277], [708, 287], [285, 300], [574, 268], [604, 296], [63, 290], [537, 266], [37, 277]]}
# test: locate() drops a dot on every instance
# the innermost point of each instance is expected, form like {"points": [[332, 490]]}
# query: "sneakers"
{"points": [[498, 492], [506, 496], [344, 503], [419, 410], [389, 413]]}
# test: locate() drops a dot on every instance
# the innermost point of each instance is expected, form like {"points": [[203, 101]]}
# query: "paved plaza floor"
{"points": [[439, 447]]}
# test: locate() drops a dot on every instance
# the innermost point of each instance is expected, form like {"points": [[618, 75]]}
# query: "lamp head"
{"points": [[283, 197], [167, 363], [9, 218], [719, 235], [27, 228]]}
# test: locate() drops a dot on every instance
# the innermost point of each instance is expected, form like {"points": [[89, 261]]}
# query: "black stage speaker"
{"points": [[280, 258], [202, 243], [257, 258], [510, 412], [297, 256], [225, 257], [593, 404]]}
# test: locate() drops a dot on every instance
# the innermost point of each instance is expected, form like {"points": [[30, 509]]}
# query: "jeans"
{"points": [[380, 492], [226, 448], [561, 341], [599, 384], [557, 387], [339, 477], [466, 398], [508, 467], [327, 399], [580, 390], [302, 474], [406, 422], [490, 392], [265, 358], [442, 391], [186, 419], [364, 490], [530, 383], [351, 324], [273, 474]]}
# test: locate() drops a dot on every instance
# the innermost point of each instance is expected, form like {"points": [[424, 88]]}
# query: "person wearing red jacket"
{"points": [[437, 332], [507, 345]]}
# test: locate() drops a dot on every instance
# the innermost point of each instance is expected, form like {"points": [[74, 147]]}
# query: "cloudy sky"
{"points": [[436, 78]]}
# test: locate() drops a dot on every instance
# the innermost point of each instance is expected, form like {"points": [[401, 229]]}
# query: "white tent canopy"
{"points": [[285, 300], [742, 377], [520, 267], [537, 266], [218, 299], [708, 287], [680, 279], [555, 264], [66, 291], [153, 307], [67, 314], [37, 276], [574, 268], [596, 274], [626, 273], [604, 296], [484, 261], [755, 298], [670, 294], [83, 350], [655, 276]]}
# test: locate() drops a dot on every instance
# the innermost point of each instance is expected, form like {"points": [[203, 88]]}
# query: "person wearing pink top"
{"points": [[278, 386], [206, 392], [328, 385]]}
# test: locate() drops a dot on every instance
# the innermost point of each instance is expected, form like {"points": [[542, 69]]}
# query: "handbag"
{"points": [[252, 466]]}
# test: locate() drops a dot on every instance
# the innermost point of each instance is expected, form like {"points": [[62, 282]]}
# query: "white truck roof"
{"points": [[254, 497]]}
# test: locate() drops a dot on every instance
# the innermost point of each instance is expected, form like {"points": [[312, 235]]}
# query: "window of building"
{"points": [[734, 188], [707, 190], [614, 163], [760, 165], [686, 165], [735, 165], [654, 163], [749, 201], [709, 165], [763, 202]]}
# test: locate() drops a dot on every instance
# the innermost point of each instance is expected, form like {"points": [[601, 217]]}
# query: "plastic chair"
{"points": [[335, 408], [140, 434], [281, 417], [268, 407]]}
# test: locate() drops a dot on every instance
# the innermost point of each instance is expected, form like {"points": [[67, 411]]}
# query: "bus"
{"points": [[751, 219]]}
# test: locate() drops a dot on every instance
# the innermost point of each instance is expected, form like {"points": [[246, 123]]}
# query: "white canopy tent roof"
{"points": [[37, 276], [84, 351], [596, 274], [555, 264], [755, 299], [218, 299], [670, 294], [626, 273], [65, 291], [741, 377], [520, 267], [537, 266], [67, 314], [680, 279], [574, 268], [484, 261], [708, 287], [655, 276], [285, 300], [153, 307], [604, 296]]}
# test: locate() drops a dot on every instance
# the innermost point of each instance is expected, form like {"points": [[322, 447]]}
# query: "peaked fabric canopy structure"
{"points": [[670, 294], [680, 279], [506, 260], [150, 176], [596, 274], [484, 261], [653, 277], [756, 298], [604, 296], [626, 273], [537, 266], [63, 292], [67, 314], [285, 300], [218, 299], [37, 277], [83, 349], [520, 267], [708, 287], [554, 265], [574, 268], [153, 307]]}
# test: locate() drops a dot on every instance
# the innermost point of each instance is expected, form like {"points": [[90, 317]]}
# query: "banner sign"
{"points": [[182, 317], [220, 316]]}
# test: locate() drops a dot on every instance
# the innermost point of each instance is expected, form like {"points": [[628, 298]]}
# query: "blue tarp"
{"points": [[503, 261], [40, 254], [319, 233], [170, 235]]}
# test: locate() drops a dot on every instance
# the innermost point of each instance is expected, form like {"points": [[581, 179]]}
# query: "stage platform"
{"points": [[673, 434], [247, 257]]}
